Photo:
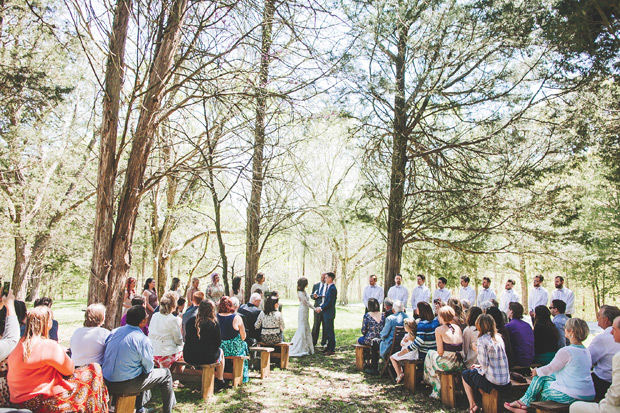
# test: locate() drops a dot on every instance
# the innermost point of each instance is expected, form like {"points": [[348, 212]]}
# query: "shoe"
{"points": [[372, 372], [329, 353], [146, 410]]}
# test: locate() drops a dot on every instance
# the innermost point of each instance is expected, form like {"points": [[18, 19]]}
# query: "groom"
{"points": [[328, 309]]}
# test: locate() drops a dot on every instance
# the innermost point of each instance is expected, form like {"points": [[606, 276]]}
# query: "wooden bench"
{"points": [[549, 406], [125, 403], [189, 373], [491, 402], [280, 352], [265, 360], [413, 370], [448, 387], [236, 375], [362, 356]]}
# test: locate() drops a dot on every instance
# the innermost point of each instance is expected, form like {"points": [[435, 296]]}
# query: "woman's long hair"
{"points": [[128, 286], [206, 311], [270, 304], [147, 282], [175, 284], [236, 285], [37, 325], [542, 317], [486, 324]]}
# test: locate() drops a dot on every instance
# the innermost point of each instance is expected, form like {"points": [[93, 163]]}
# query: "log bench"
{"points": [[125, 403], [204, 374], [491, 402], [265, 360], [362, 356], [448, 387], [280, 352], [413, 370], [549, 406], [236, 375]]}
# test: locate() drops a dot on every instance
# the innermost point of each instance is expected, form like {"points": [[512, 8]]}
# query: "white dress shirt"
{"points": [[567, 296], [398, 292], [508, 296], [485, 295], [442, 293], [419, 294], [538, 296], [469, 294], [373, 291], [602, 350]]}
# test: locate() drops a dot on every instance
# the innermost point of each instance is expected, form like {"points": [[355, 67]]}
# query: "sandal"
{"points": [[400, 378], [474, 409], [520, 408]]}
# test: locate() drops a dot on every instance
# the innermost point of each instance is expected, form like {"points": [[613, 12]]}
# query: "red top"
{"points": [[41, 373]]}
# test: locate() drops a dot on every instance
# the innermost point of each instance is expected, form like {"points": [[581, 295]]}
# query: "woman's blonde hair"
{"points": [[37, 325], [446, 313], [486, 324], [94, 316], [579, 328], [168, 303]]}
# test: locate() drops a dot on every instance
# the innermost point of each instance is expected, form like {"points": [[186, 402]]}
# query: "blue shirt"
{"points": [[387, 334], [128, 354]]}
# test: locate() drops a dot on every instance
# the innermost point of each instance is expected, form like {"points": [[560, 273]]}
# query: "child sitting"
{"points": [[410, 327]]}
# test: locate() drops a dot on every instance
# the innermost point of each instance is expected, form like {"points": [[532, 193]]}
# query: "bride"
{"points": [[302, 341]]}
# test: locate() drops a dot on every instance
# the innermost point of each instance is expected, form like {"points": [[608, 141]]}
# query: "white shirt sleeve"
{"points": [[562, 357]]}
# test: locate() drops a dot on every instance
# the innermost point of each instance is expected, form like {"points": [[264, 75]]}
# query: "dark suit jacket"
{"points": [[329, 305], [250, 313], [315, 290]]}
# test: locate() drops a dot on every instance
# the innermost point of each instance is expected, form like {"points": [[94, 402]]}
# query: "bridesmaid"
{"points": [[130, 292], [150, 298]]}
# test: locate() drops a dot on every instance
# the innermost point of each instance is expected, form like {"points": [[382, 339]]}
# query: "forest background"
{"points": [[179, 138]]}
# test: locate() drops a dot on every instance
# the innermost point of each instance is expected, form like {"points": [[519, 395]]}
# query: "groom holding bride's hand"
{"points": [[328, 308]]}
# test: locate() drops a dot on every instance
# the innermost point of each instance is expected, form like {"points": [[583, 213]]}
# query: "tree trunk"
{"points": [[396, 199], [122, 238], [523, 280], [252, 253], [21, 267]]}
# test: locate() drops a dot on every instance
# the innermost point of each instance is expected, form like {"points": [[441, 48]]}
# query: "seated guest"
{"points": [[459, 314], [558, 307], [410, 327], [470, 337], [466, 306], [447, 357], [545, 336], [382, 346], [567, 378], [87, 343], [203, 340], [191, 310], [425, 332], [38, 367], [388, 303], [492, 371], [611, 402], [128, 363], [232, 332], [503, 332], [180, 307], [165, 333], [235, 302], [46, 301], [602, 349], [373, 323], [251, 311], [9, 330], [270, 322], [521, 336], [137, 300]]}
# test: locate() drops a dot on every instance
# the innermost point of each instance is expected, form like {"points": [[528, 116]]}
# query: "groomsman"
{"points": [[486, 294], [420, 293], [373, 291], [318, 294], [508, 296], [398, 292], [538, 295], [466, 292], [564, 294], [442, 292]]}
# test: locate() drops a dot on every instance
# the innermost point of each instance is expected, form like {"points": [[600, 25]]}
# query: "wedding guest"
{"points": [[558, 307], [466, 292], [567, 378], [260, 285], [232, 333], [399, 292], [387, 333], [178, 312], [373, 323], [611, 402], [270, 322], [410, 327], [492, 371], [388, 305], [9, 330], [237, 290], [87, 343], [175, 287], [191, 310], [38, 367], [603, 348], [425, 340], [459, 316], [470, 337], [129, 293], [420, 292], [215, 290], [372, 290], [545, 336], [136, 301], [203, 340], [151, 301], [521, 336], [502, 331], [46, 301], [165, 333], [447, 357], [538, 295], [251, 311], [193, 289]]}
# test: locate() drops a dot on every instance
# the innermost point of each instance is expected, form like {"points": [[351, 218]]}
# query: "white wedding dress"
{"points": [[302, 341]]}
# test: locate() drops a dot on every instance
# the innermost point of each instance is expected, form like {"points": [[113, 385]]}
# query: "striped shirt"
{"points": [[492, 359], [425, 336]]}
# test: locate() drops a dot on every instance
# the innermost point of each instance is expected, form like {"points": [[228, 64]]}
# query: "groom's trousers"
{"points": [[316, 327], [328, 329]]}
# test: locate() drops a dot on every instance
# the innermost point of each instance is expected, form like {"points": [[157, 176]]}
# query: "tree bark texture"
{"points": [[396, 199], [252, 254]]}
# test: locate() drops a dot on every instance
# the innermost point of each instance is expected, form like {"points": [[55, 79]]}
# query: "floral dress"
{"points": [[271, 326], [371, 329], [215, 292]]}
